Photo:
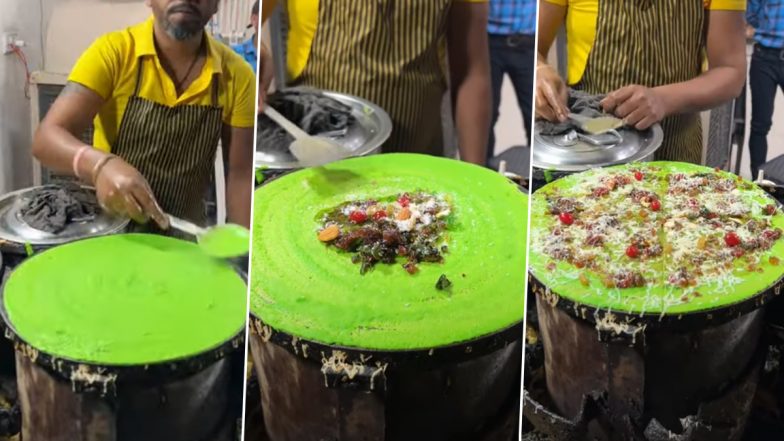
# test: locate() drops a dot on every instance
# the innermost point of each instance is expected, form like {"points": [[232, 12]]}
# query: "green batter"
{"points": [[733, 284], [125, 300], [303, 287], [226, 241]]}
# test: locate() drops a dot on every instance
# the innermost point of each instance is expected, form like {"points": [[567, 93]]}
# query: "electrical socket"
{"points": [[9, 39]]}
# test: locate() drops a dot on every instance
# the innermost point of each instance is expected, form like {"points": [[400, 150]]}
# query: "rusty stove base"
{"points": [[192, 409], [453, 402], [646, 384]]}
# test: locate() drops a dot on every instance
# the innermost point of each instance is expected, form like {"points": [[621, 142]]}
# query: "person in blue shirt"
{"points": [[247, 49], [511, 32], [766, 73]]}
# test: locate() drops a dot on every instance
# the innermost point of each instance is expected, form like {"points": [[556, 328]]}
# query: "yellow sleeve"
{"points": [[558, 2], [472, 1], [242, 113], [99, 66], [726, 5]]}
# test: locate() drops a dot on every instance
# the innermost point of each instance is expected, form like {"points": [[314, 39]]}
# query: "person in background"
{"points": [[511, 31], [766, 73], [247, 49], [393, 53], [648, 56], [161, 94]]}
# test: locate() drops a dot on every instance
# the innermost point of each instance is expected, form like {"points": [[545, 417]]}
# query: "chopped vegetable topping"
{"points": [[566, 218], [357, 217], [605, 225], [409, 226], [443, 283], [731, 239]]}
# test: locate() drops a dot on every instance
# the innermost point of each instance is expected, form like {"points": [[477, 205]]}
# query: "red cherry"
{"points": [[638, 175], [655, 205], [357, 217], [404, 200], [566, 218], [731, 239], [632, 251], [380, 214]]}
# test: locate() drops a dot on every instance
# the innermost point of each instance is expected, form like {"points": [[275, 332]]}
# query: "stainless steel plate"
{"points": [[371, 129], [566, 153], [14, 229]]}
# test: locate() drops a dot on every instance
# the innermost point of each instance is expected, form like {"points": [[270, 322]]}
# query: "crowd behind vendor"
{"points": [[766, 73]]}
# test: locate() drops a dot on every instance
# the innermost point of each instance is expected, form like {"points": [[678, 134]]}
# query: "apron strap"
{"points": [[215, 90], [138, 77]]}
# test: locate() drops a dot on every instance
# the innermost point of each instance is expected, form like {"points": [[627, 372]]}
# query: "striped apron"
{"points": [[651, 43], [389, 52], [173, 148]]}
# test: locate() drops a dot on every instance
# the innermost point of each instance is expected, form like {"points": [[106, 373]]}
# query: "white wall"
{"points": [[23, 17], [55, 32], [510, 128], [72, 25]]}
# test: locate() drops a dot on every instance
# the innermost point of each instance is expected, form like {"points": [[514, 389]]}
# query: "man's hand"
{"points": [[266, 74], [639, 106], [123, 191], [551, 94]]}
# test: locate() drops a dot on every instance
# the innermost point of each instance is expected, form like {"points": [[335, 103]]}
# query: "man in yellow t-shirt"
{"points": [[161, 94], [648, 57], [393, 53]]}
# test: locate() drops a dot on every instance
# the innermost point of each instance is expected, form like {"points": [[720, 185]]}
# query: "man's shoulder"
{"points": [[121, 41]]}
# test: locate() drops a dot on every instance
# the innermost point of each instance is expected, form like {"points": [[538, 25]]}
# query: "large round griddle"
{"points": [[618, 308], [90, 374], [314, 293]]}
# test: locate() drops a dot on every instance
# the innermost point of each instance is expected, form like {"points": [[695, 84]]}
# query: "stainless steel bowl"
{"points": [[371, 129], [15, 230], [576, 152]]}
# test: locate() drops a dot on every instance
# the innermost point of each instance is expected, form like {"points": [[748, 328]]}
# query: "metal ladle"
{"points": [[310, 151], [571, 138]]}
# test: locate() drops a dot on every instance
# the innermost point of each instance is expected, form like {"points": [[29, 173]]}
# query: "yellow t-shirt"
{"points": [[581, 18], [110, 66], [303, 21]]}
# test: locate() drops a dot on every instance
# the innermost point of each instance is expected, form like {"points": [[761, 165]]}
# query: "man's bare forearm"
{"points": [[239, 183], [727, 68], [705, 92], [469, 69], [56, 140], [239, 191], [472, 117]]}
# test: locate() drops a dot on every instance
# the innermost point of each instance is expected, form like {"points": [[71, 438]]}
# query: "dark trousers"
{"points": [[513, 55], [766, 75]]}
